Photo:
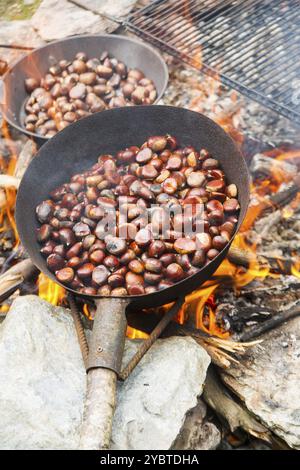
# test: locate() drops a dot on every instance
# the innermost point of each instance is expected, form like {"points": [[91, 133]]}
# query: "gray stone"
{"points": [[268, 381], [197, 432], [43, 384], [116, 8], [42, 377], [57, 19], [19, 32], [154, 400]]}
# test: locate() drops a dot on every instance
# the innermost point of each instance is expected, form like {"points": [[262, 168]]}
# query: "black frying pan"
{"points": [[75, 149], [133, 53]]}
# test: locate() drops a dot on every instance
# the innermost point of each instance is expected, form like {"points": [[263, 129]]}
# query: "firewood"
{"points": [[26, 155], [219, 350], [7, 181], [236, 416], [277, 319], [15, 276], [243, 257]]}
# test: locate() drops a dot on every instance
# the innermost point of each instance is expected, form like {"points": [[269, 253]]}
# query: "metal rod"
{"points": [[272, 25], [83, 344], [160, 327], [204, 17]]}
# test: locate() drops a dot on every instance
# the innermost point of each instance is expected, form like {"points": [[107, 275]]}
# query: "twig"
{"points": [[217, 348], [15, 276]]}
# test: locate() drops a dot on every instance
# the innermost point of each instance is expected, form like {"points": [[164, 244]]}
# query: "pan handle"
{"points": [[104, 364]]}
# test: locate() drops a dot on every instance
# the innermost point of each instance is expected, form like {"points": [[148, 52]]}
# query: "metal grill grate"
{"points": [[252, 45]]}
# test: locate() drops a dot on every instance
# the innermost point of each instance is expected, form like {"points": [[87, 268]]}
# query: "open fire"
{"points": [[201, 304], [243, 265]]}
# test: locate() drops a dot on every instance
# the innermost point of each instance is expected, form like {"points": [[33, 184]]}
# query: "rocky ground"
{"points": [[43, 380]]}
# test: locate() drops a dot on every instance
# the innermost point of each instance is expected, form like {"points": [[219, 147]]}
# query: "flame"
{"points": [[87, 312], [290, 155], [295, 269], [4, 308], [132, 333], [49, 290], [201, 302]]}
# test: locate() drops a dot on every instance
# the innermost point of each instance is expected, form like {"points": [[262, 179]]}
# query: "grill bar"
{"points": [[252, 45]]}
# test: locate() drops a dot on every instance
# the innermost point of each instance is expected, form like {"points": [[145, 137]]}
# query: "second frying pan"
{"points": [[74, 150], [132, 52]]}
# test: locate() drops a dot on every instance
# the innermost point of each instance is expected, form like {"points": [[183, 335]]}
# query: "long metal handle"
{"points": [[105, 356]]}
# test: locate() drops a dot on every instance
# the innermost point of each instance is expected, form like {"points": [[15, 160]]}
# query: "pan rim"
{"points": [[23, 130], [181, 282]]}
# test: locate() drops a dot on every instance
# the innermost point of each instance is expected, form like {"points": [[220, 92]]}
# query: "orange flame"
{"points": [[49, 290], [295, 269]]}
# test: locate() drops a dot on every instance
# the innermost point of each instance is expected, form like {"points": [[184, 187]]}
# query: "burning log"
{"points": [[269, 324], [264, 166], [25, 157], [8, 181], [15, 276]]}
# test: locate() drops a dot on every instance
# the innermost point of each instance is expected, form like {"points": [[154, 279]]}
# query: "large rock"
{"points": [[57, 19], [268, 381], [154, 400], [42, 377], [43, 383], [197, 432], [21, 33], [116, 8]]}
